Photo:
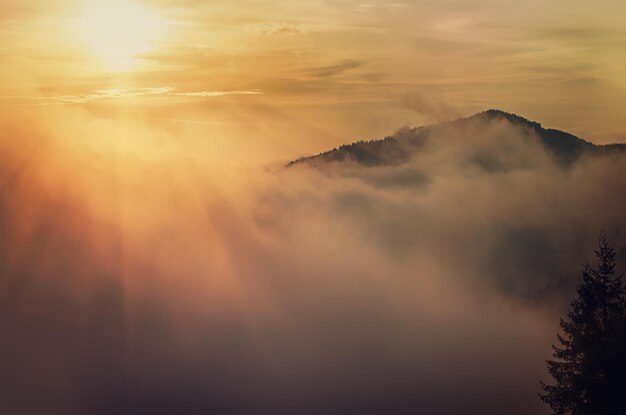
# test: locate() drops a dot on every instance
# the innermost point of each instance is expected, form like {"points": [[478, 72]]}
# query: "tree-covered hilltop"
{"points": [[563, 147]]}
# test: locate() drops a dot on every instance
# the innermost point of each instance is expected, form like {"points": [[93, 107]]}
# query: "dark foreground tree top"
{"points": [[589, 366]]}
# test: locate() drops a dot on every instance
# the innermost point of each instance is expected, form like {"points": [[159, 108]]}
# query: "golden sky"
{"points": [[155, 256], [303, 76]]}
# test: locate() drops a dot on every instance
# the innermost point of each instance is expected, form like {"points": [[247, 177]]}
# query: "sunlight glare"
{"points": [[118, 31]]}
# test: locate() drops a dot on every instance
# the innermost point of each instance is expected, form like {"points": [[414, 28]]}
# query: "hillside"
{"points": [[403, 146]]}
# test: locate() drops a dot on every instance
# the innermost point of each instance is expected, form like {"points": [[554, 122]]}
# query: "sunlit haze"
{"points": [[118, 32], [170, 243]]}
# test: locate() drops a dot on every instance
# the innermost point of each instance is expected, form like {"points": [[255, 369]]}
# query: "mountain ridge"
{"points": [[564, 147]]}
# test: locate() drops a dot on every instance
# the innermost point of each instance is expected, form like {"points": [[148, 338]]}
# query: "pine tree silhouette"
{"points": [[589, 366]]}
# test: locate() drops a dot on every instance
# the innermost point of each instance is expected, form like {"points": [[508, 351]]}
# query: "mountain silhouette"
{"points": [[564, 148]]}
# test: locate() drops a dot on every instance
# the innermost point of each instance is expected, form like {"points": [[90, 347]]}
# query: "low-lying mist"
{"points": [[141, 274]]}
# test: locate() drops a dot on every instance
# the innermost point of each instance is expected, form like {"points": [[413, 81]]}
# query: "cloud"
{"points": [[275, 28], [335, 69], [118, 93], [523, 245], [103, 94], [372, 7], [206, 94], [159, 282], [434, 108]]}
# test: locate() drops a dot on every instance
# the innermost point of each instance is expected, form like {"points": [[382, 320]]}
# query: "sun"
{"points": [[117, 32]]}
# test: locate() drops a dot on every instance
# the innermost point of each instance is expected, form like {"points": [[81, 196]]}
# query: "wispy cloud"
{"points": [[208, 94], [101, 94], [117, 93], [431, 106], [371, 7], [335, 69], [275, 28]]}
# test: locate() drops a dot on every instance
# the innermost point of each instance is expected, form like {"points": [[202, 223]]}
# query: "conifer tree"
{"points": [[589, 366]]}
